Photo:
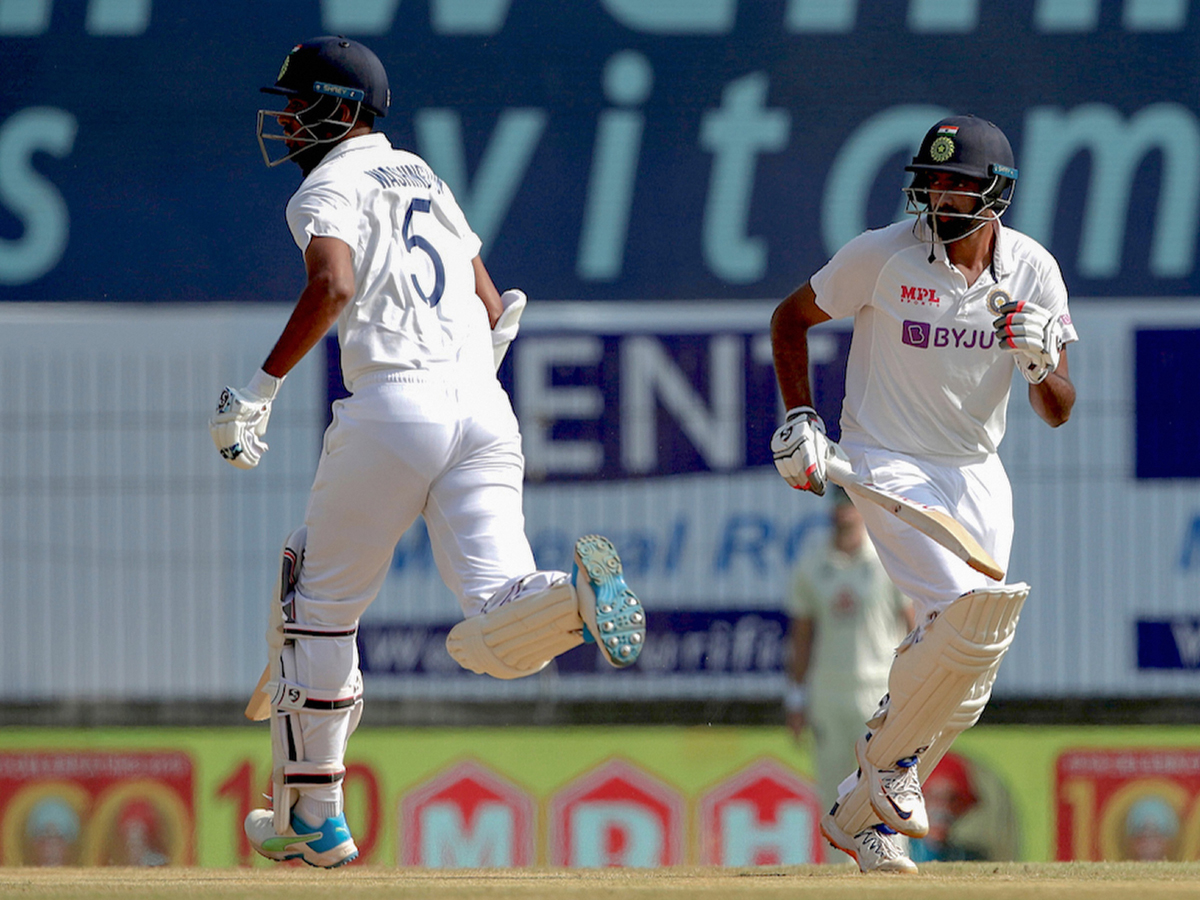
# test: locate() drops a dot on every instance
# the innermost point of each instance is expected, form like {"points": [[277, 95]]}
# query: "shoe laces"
{"points": [[901, 783], [879, 843]]}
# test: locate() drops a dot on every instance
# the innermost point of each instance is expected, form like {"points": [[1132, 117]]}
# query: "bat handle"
{"points": [[837, 470]]}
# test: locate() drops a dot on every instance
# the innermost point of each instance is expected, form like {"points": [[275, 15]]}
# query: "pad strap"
{"points": [[289, 695]]}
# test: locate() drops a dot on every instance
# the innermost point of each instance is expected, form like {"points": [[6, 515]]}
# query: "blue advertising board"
{"points": [[602, 149]]}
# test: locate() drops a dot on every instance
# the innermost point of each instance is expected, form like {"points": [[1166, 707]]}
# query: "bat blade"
{"points": [[933, 523], [259, 707]]}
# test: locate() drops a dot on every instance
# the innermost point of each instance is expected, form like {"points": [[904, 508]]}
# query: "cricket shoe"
{"points": [[611, 614], [895, 793], [326, 847], [875, 849]]}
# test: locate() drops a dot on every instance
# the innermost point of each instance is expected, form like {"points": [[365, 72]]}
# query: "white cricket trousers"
{"points": [[406, 445], [977, 494]]}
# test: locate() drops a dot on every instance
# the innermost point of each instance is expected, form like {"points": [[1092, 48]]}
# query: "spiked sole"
{"points": [[611, 611]]}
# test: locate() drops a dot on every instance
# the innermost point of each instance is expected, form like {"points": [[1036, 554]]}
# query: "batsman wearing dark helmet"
{"points": [[426, 431], [944, 308]]}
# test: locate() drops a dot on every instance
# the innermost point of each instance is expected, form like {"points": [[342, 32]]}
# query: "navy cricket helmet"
{"points": [[334, 66], [971, 147], [327, 72]]}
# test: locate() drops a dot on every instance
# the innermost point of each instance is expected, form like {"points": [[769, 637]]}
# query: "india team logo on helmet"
{"points": [[969, 148]]}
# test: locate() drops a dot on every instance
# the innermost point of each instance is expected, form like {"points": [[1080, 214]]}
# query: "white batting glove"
{"points": [[1033, 335], [800, 448], [506, 325], [240, 423]]}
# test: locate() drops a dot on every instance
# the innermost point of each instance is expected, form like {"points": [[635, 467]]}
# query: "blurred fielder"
{"points": [[942, 309], [427, 431]]}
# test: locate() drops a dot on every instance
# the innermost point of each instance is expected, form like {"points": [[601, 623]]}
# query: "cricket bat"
{"points": [[259, 707], [933, 523]]}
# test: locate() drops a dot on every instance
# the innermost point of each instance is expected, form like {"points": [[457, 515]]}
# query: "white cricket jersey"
{"points": [[926, 375], [415, 306], [858, 615]]}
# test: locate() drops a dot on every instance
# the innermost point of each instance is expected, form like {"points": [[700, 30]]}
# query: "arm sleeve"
{"points": [[846, 283], [1054, 294], [322, 211]]}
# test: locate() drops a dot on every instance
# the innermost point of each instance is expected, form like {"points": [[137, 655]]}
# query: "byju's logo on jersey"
{"points": [[923, 335], [916, 334]]}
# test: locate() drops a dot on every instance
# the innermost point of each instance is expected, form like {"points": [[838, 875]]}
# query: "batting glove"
{"points": [[506, 325], [240, 424], [1033, 335], [800, 448]]}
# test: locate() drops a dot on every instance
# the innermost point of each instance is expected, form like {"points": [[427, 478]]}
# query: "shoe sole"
{"points": [[611, 611]]}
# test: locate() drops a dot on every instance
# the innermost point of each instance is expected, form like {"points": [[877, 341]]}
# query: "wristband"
{"points": [[263, 386]]}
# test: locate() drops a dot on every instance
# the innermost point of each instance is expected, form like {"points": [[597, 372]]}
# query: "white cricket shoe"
{"points": [[326, 847], [613, 615], [875, 849], [895, 793]]}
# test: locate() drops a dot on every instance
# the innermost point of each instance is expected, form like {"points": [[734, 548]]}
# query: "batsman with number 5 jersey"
{"points": [[943, 310], [426, 431]]}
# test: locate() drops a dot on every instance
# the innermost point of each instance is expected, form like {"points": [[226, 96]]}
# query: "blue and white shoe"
{"points": [[612, 614], [326, 847]]}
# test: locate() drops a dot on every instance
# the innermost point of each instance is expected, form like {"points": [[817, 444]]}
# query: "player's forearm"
{"points": [[318, 308], [486, 291], [1054, 398], [789, 350]]}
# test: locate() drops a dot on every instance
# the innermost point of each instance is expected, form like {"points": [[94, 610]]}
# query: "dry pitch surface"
{"points": [[937, 881]]}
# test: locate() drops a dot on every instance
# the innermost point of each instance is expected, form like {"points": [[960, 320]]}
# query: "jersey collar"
{"points": [[1002, 251], [374, 140]]}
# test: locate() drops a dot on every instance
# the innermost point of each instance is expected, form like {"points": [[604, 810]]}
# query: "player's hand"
{"points": [[241, 419], [1033, 335], [506, 326], [800, 448]]}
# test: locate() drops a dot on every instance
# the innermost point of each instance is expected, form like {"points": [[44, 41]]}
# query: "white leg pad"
{"points": [[315, 688], [520, 636], [936, 672], [938, 687]]}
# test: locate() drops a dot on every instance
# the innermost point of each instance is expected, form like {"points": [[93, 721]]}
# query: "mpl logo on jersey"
{"points": [[616, 816], [919, 295], [468, 817], [765, 815]]}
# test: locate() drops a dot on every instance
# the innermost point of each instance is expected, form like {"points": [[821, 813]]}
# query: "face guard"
{"points": [[969, 149], [324, 73], [315, 125], [987, 204]]}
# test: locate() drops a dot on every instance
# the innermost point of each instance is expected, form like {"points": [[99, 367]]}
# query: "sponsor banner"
{"points": [[657, 149], [612, 796], [82, 808], [1135, 804], [1168, 643], [468, 817], [756, 818], [616, 815], [602, 397], [679, 642]]}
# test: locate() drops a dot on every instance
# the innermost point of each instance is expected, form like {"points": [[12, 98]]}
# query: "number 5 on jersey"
{"points": [[415, 241]]}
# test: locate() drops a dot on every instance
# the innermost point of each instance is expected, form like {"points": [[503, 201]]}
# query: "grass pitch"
{"points": [[936, 881]]}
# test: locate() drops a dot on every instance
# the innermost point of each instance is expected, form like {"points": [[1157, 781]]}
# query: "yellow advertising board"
{"points": [[589, 796]]}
